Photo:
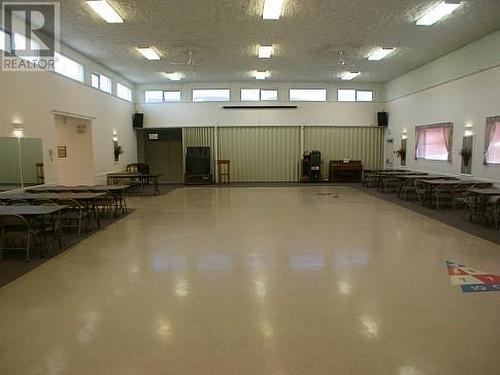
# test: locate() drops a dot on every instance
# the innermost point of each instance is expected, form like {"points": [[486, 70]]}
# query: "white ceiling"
{"points": [[223, 36]]}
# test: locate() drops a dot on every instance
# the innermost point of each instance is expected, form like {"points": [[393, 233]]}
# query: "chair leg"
{"points": [[28, 246], [79, 224], [1, 243], [495, 214]]}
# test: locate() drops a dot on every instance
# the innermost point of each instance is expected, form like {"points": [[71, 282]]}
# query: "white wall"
{"points": [[209, 114], [466, 97], [30, 98], [475, 57], [332, 112]]}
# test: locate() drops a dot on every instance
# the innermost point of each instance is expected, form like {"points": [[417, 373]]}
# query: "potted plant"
{"points": [[401, 153], [466, 154], [118, 151]]}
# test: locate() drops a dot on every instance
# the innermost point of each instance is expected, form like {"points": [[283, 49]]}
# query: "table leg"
{"points": [[157, 188], [96, 212]]}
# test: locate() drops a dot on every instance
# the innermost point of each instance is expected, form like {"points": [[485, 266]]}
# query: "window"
{"points": [[68, 67], [105, 84], [95, 80], [351, 95], [212, 95], [250, 95], [123, 92], [154, 96], [25, 48], [364, 96], [308, 95], [255, 95], [492, 144], [345, 95], [172, 96], [5, 41], [268, 94], [434, 142]]}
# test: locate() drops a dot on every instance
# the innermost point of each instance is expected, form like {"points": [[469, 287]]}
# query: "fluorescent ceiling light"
{"points": [[380, 53], [347, 76], [262, 75], [272, 9], [149, 53], [265, 51], [174, 76], [437, 12], [106, 11]]}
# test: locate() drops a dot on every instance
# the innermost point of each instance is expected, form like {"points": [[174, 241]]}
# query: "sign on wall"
{"points": [[61, 152]]}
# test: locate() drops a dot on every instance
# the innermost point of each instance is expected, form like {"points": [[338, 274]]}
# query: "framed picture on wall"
{"points": [[61, 152]]}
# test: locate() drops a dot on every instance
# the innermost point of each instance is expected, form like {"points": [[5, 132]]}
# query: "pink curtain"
{"points": [[447, 132], [434, 142], [418, 140], [491, 125]]}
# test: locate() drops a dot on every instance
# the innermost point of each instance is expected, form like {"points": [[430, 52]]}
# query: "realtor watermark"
{"points": [[31, 35]]}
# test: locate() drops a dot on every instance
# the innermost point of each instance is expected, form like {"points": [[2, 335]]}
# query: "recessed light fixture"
{"points": [[262, 75], [174, 76], [380, 53], [272, 9], [265, 51], [437, 12], [347, 76], [106, 11], [149, 53]]}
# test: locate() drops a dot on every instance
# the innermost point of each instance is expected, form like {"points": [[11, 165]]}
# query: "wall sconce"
{"points": [[18, 132], [17, 129], [115, 136], [468, 130]]}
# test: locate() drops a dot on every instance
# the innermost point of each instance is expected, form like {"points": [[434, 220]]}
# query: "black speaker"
{"points": [[138, 120], [383, 119]]}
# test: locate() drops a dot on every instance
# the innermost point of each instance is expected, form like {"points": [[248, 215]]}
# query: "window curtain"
{"points": [[447, 131], [489, 135], [419, 132]]}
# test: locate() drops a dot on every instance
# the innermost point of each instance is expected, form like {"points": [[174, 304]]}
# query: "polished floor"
{"points": [[299, 280]]}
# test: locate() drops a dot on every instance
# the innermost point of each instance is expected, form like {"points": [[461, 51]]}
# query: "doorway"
{"points": [[74, 151], [163, 152]]}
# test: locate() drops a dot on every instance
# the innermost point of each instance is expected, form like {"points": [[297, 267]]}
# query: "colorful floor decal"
{"points": [[472, 280]]}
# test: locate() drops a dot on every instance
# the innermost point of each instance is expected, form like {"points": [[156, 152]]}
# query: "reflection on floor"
{"points": [[291, 280]]}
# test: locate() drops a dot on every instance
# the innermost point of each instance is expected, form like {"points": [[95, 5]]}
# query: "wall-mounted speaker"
{"points": [[138, 120], [383, 119]]}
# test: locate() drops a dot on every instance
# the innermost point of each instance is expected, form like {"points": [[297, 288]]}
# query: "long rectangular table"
{"points": [[118, 192], [451, 187], [31, 210], [373, 177], [407, 181], [93, 188], [52, 196], [89, 199], [39, 213], [479, 202], [390, 178], [143, 179]]}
